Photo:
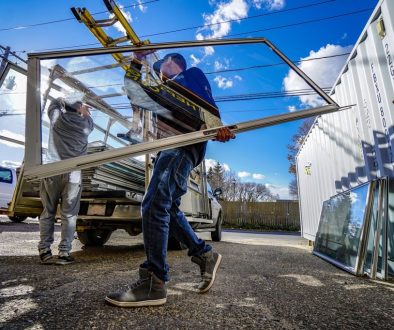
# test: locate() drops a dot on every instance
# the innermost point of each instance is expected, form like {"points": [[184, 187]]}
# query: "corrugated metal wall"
{"points": [[347, 148]]}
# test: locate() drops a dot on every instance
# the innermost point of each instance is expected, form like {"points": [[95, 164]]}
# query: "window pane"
{"points": [[12, 118], [340, 227]]}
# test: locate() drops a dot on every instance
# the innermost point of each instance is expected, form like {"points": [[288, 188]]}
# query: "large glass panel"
{"points": [[134, 103], [340, 229], [12, 118], [131, 104]]}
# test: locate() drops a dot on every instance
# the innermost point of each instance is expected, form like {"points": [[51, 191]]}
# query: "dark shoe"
{"points": [[149, 290], [45, 256], [64, 259], [209, 263]]}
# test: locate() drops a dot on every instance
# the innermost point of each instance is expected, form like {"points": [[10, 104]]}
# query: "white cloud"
{"points": [[127, 15], [258, 176], [10, 163], [141, 6], [221, 65], [212, 162], [223, 82], [233, 10], [292, 108], [323, 72], [195, 60], [243, 174], [354, 197], [238, 77], [104, 79], [283, 192], [209, 50], [344, 36], [269, 4]]}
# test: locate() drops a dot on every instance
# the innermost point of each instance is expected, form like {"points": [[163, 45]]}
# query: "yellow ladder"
{"points": [[96, 27]]}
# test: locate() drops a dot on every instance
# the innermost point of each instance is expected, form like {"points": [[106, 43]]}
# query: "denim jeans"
{"points": [[161, 216], [67, 189]]}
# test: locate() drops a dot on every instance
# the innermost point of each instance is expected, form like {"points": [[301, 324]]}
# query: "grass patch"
{"points": [[261, 227]]}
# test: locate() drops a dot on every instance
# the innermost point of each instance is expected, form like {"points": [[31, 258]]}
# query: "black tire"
{"points": [[17, 218], [217, 234], [94, 237], [175, 245]]}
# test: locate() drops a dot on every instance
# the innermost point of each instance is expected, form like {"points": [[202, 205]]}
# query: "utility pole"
{"points": [[4, 59]]}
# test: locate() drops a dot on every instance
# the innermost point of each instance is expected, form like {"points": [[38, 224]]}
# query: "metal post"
{"points": [[359, 266], [308, 80], [33, 114], [204, 185], [375, 254], [4, 60]]}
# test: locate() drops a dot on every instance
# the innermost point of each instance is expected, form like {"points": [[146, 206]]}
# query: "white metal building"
{"points": [[344, 149]]}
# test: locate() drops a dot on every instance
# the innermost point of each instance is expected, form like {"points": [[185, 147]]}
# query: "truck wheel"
{"points": [[17, 218], [217, 234], [94, 237], [174, 244]]}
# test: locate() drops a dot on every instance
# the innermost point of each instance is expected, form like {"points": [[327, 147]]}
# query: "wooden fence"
{"points": [[279, 215]]}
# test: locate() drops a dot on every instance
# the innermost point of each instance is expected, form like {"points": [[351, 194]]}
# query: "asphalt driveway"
{"points": [[266, 281]]}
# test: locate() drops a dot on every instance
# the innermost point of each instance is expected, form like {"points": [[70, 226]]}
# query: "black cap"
{"points": [[176, 57]]}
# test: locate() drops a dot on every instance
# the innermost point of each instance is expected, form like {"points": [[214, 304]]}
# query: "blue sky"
{"points": [[317, 28]]}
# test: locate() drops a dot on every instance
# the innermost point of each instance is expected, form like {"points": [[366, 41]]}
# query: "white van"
{"points": [[7, 185]]}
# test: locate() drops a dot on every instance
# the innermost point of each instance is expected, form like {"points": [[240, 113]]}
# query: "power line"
{"points": [[240, 19], [66, 19], [13, 54], [267, 95], [301, 23], [196, 27], [274, 64], [246, 97], [221, 71]]}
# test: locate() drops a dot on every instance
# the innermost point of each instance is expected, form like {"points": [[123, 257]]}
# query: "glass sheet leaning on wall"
{"points": [[340, 229], [356, 230]]}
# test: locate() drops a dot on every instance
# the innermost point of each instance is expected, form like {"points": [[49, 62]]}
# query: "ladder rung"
{"points": [[114, 42], [106, 22]]}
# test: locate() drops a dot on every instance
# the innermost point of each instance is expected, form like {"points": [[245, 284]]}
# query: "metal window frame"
{"points": [[380, 233], [358, 265], [34, 169]]}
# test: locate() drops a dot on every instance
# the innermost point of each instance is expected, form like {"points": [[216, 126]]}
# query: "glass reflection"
{"points": [[12, 117], [340, 228]]}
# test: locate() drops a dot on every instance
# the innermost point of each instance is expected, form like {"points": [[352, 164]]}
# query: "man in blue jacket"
{"points": [[161, 216]]}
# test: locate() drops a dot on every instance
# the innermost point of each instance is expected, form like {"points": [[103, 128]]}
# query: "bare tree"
{"points": [[293, 188], [235, 190], [296, 141]]}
